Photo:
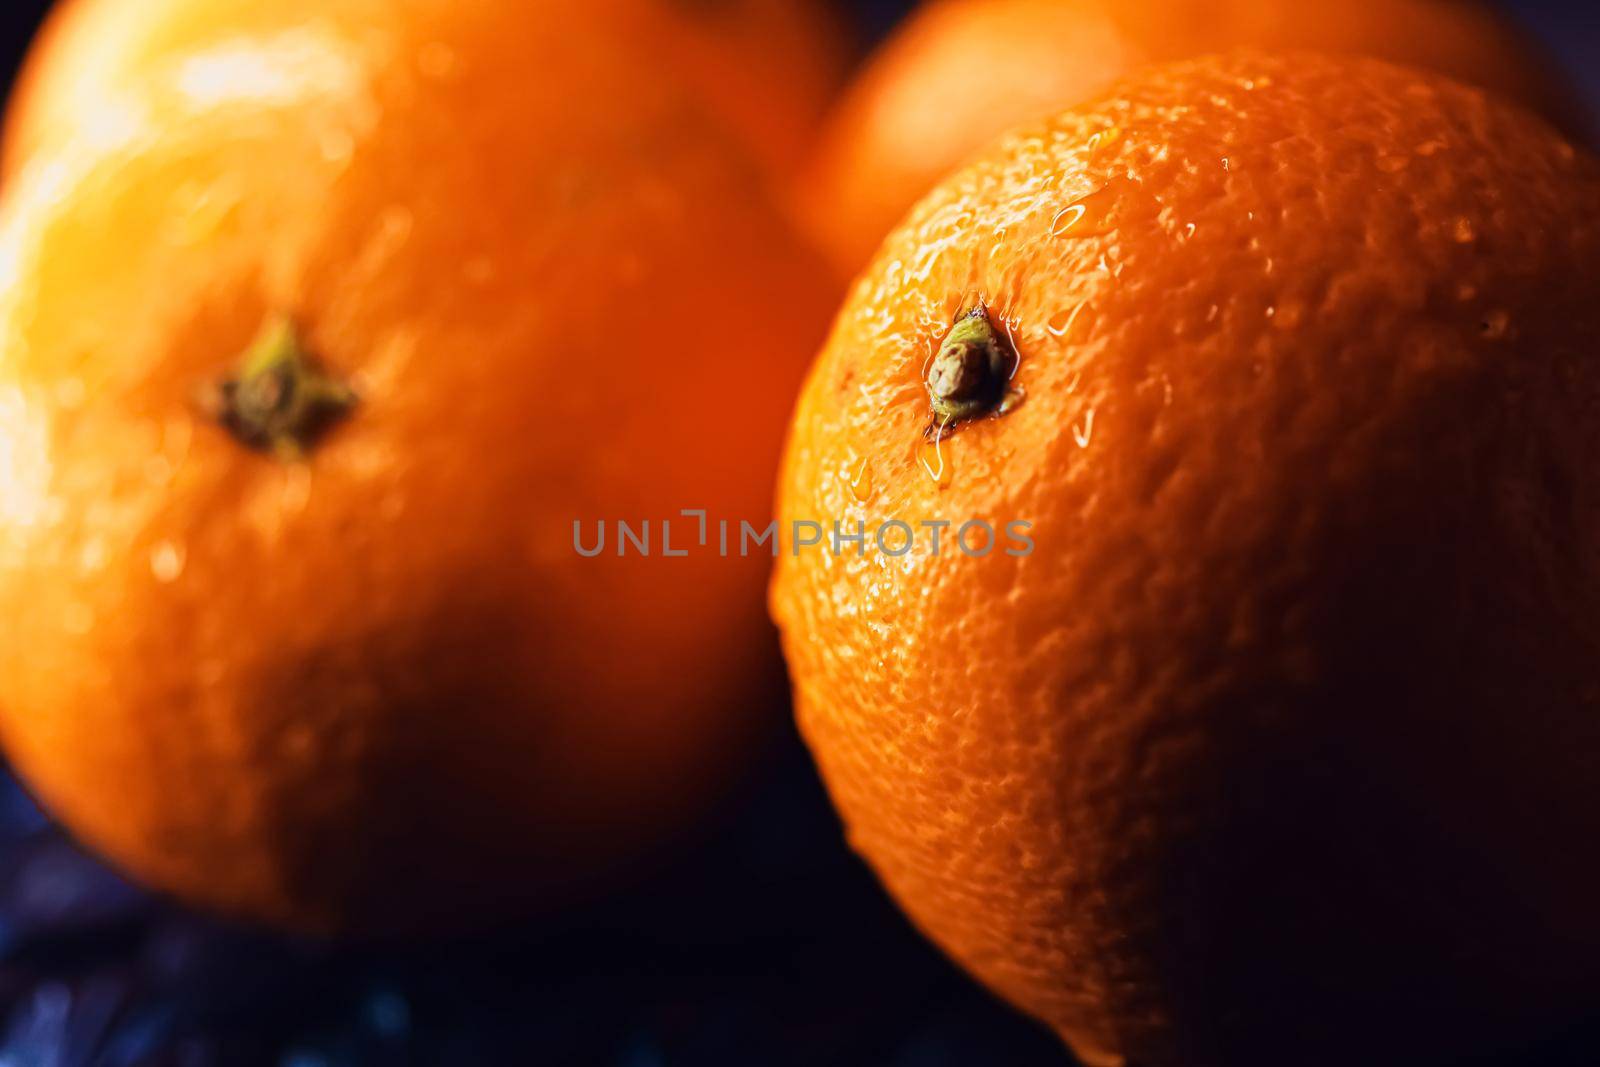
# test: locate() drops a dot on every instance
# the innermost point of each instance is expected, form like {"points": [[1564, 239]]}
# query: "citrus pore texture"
{"points": [[1280, 745], [959, 73]]}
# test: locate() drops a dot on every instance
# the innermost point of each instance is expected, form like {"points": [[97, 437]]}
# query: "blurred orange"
{"points": [[768, 67], [1280, 745], [959, 73], [309, 640]]}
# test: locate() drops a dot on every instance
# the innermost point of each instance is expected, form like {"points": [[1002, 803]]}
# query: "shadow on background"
{"points": [[763, 942]]}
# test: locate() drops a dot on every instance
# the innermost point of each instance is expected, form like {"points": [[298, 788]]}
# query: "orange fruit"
{"points": [[768, 68], [314, 358], [1272, 738], [959, 73], [771, 67]]}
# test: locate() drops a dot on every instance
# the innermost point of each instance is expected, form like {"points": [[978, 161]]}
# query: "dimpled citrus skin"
{"points": [[768, 68], [378, 690], [1279, 747], [919, 109]]}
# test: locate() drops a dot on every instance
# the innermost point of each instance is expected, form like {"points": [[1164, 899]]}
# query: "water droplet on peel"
{"points": [[1016, 350], [1212, 312], [1463, 231], [1062, 322], [1084, 432], [1103, 138], [1271, 311], [859, 478], [167, 561], [1226, 164], [1288, 316], [1188, 231], [935, 458], [1096, 213], [1066, 219], [1496, 324], [965, 303]]}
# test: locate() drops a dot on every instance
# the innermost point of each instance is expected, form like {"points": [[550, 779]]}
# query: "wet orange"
{"points": [[961, 72], [1279, 745], [767, 67], [330, 658]]}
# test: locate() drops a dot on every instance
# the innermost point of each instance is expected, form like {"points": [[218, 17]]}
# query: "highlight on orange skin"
{"points": [[769, 68]]}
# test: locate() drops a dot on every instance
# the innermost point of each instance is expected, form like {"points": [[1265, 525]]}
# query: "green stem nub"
{"points": [[280, 401], [972, 370]]}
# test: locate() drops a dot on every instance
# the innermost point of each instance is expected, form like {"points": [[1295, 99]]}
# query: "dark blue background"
{"points": [[762, 942]]}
